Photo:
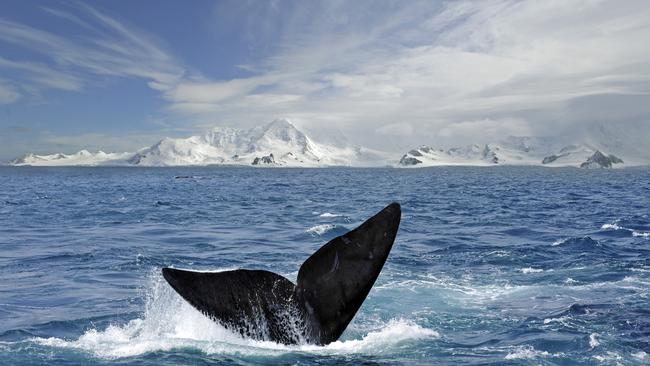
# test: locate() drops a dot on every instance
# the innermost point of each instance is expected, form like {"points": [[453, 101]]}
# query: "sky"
{"points": [[390, 75]]}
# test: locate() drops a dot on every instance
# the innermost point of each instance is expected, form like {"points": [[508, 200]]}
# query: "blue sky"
{"points": [[118, 75]]}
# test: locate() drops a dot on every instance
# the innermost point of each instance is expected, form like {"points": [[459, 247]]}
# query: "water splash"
{"points": [[170, 323], [320, 229]]}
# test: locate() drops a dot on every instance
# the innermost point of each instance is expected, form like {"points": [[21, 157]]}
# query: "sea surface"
{"points": [[499, 265]]}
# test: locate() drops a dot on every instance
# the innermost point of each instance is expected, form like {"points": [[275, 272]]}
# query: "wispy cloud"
{"points": [[423, 72], [44, 75], [511, 66], [8, 93], [107, 47]]}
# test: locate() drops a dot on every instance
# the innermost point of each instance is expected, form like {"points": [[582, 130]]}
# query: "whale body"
{"points": [[331, 286]]}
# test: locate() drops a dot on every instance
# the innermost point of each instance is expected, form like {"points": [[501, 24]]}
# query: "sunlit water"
{"points": [[490, 265]]}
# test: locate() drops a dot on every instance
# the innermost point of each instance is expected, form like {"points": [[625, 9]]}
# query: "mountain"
{"points": [[278, 143], [83, 157], [511, 151], [514, 151], [600, 160], [583, 156]]}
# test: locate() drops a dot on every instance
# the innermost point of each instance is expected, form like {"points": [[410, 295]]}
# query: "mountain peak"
{"points": [[279, 131], [280, 123], [277, 143]]}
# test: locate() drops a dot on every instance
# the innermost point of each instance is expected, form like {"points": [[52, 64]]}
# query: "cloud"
{"points": [[14, 138], [485, 130], [44, 75], [504, 67], [214, 91], [428, 72], [396, 129], [105, 48], [8, 94], [99, 141]]}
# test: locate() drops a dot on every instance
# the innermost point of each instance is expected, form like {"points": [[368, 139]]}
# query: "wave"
{"points": [[327, 214], [171, 323], [528, 353], [561, 320], [560, 242], [610, 357], [531, 270], [320, 229], [472, 293], [614, 226]]}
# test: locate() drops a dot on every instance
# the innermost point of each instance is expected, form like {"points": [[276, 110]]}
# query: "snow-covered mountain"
{"points": [[514, 151], [511, 151], [278, 143], [83, 157], [582, 156]]}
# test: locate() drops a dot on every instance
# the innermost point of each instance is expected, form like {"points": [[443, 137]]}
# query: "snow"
{"points": [[481, 155], [278, 143], [288, 146], [543, 151], [83, 157]]}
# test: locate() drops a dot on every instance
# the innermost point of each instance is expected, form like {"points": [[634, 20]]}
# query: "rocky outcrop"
{"points": [[490, 155], [409, 161], [599, 160], [268, 159], [550, 159]]}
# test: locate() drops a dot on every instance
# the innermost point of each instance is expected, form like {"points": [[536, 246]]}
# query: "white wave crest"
{"points": [[327, 214], [613, 226], [593, 341], [531, 270], [562, 320], [320, 229], [526, 353], [171, 323], [396, 332], [609, 356], [559, 242]]}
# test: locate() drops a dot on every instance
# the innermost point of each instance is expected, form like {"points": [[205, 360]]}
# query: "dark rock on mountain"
{"points": [[600, 160], [409, 160], [268, 159]]}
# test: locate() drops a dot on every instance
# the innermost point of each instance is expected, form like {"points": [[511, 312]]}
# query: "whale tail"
{"points": [[331, 286]]}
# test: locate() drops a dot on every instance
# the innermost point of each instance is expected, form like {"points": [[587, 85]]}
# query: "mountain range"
{"points": [[516, 151], [280, 144]]}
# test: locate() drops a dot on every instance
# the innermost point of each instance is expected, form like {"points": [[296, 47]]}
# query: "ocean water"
{"points": [[503, 265]]}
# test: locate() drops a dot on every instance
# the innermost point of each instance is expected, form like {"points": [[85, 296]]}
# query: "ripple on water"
{"points": [[542, 266]]}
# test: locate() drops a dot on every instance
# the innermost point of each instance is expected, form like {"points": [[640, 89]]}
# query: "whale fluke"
{"points": [[331, 286]]}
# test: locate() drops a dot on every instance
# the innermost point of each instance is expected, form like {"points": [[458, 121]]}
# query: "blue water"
{"points": [[491, 265]]}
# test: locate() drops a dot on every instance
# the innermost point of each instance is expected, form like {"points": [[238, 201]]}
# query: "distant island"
{"points": [[280, 144], [513, 151]]}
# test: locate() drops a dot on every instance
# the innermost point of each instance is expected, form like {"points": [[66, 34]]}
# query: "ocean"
{"points": [[496, 265]]}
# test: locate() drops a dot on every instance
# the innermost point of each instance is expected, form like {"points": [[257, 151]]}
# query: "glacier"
{"points": [[540, 151], [278, 144]]}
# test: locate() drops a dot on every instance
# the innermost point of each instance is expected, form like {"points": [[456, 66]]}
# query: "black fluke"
{"points": [[332, 285]]}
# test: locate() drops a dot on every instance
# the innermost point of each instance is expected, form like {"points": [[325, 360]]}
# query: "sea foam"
{"points": [[171, 323], [320, 229]]}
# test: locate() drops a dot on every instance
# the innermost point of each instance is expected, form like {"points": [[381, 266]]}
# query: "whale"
{"points": [[331, 286]]}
